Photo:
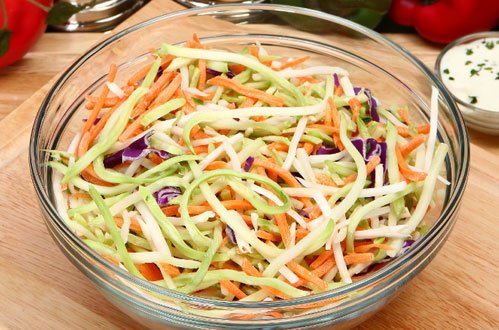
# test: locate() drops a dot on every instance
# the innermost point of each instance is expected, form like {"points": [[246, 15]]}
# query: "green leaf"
{"points": [[5, 36], [62, 11]]}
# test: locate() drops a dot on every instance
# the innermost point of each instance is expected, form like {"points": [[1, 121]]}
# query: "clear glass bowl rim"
{"points": [[458, 42], [434, 234]]}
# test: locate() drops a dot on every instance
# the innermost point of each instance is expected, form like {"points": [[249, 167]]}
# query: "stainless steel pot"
{"points": [[105, 15]]}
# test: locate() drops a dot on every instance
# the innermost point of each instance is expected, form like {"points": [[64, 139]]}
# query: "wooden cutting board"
{"points": [[41, 289]]}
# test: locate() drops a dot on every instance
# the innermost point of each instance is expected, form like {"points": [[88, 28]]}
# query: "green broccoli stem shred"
{"points": [[359, 214], [235, 58], [205, 263], [113, 230]]}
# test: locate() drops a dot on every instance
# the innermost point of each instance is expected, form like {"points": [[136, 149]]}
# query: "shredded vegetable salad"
{"points": [[246, 176]]}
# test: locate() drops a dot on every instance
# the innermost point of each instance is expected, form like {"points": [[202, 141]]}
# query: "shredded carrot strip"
{"points": [[254, 51], [283, 174], [405, 170], [150, 271], [404, 131], [111, 259], [355, 107], [358, 258], [249, 269], [240, 205], [412, 145], [267, 236], [325, 267], [305, 274], [301, 232], [153, 157], [330, 130], [134, 224], [94, 132], [130, 129], [81, 194], [338, 91], [246, 91], [168, 92], [237, 68], [321, 258], [218, 164], [278, 146], [248, 103], [367, 247], [113, 69], [202, 74], [371, 165], [309, 147], [282, 224], [170, 269], [89, 175], [293, 63], [139, 75], [153, 92], [309, 79], [232, 288], [108, 102], [404, 115], [325, 180], [335, 117]]}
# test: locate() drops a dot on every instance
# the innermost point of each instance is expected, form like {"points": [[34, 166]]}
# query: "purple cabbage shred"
{"points": [[138, 149], [408, 243], [229, 73], [248, 163], [159, 73], [96, 121], [303, 213], [370, 148], [230, 233], [371, 102], [327, 151], [165, 195], [336, 80]]}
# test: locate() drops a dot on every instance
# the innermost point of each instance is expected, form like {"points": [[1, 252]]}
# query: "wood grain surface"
{"points": [[41, 289]]}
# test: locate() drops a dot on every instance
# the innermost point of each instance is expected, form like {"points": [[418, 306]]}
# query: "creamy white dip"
{"points": [[471, 72]]}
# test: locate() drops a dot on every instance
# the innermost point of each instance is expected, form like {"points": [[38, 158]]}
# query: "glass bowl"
{"points": [[393, 74], [481, 119]]}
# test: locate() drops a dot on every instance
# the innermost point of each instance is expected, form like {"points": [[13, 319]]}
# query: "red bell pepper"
{"points": [[25, 23], [22, 22], [443, 21]]}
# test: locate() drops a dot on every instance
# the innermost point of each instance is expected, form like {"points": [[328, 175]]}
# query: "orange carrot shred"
{"points": [[293, 63], [321, 258], [405, 170], [232, 288], [150, 271], [246, 91], [305, 274], [371, 165], [412, 145], [249, 269]]}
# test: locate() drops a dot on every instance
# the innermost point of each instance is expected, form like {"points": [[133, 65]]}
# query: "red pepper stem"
{"points": [[4, 13], [39, 5]]}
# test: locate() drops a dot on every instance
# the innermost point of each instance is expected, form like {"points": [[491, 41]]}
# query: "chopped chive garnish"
{"points": [[473, 99], [467, 63], [446, 71], [469, 51]]}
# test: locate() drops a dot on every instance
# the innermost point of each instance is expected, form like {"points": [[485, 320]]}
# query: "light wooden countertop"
{"points": [[40, 289]]}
